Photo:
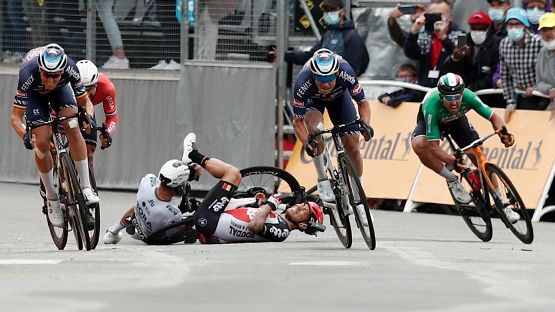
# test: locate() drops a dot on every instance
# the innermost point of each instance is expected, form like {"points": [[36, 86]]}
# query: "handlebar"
{"points": [[460, 151], [333, 130], [54, 121]]}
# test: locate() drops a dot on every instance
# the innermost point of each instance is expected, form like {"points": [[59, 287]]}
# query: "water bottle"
{"points": [[474, 177]]}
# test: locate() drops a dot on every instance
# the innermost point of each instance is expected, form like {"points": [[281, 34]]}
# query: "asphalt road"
{"points": [[423, 262]]}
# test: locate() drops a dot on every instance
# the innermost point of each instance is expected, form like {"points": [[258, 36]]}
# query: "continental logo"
{"points": [[396, 148], [518, 157]]}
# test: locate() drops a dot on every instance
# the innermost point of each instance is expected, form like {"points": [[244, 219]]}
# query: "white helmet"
{"points": [[88, 71], [52, 59], [174, 173]]}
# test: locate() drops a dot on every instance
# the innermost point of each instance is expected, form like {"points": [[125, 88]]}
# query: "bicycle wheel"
{"points": [[67, 204], [94, 210], [75, 200], [358, 201], [267, 180], [58, 234], [338, 219], [475, 216], [506, 196]]}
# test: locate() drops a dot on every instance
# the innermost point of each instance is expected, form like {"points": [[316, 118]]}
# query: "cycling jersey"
{"points": [[153, 214], [30, 80], [435, 114], [106, 94]]}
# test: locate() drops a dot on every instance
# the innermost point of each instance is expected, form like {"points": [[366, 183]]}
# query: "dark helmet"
{"points": [[450, 84]]}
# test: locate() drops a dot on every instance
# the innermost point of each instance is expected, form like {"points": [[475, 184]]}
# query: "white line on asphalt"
{"points": [[328, 263], [29, 261]]}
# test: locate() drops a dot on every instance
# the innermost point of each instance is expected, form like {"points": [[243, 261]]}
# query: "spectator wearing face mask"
{"points": [[545, 66], [517, 58], [476, 61], [406, 73], [497, 11], [340, 37], [535, 9], [431, 48]]}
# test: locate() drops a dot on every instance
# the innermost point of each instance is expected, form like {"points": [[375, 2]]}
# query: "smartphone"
{"points": [[461, 40], [407, 9], [431, 19]]}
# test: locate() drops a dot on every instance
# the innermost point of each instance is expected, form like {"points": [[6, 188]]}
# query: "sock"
{"points": [[444, 172], [320, 169], [48, 181], [118, 226], [82, 167], [198, 158]]}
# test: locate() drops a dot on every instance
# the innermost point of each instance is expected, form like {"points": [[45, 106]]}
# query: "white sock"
{"points": [[118, 226], [82, 167], [320, 169], [450, 177], [48, 181]]}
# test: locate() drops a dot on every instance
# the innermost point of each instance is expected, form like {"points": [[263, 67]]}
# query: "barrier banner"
{"points": [[528, 163], [390, 166]]}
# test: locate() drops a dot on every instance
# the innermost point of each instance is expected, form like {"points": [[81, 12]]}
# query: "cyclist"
{"points": [[444, 109], [101, 90], [219, 218], [327, 81], [49, 79]]}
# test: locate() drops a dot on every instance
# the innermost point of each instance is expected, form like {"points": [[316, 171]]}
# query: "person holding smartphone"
{"points": [[397, 34], [431, 40]]}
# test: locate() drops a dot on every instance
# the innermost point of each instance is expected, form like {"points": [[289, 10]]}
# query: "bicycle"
{"points": [[70, 195], [348, 191], [481, 182]]}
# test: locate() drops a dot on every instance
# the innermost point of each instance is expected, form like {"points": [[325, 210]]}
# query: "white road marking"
{"points": [[328, 263], [29, 261]]}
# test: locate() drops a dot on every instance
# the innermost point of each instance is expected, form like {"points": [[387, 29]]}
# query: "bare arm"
{"points": [[85, 102], [300, 129], [17, 121], [496, 121], [364, 111], [257, 223]]}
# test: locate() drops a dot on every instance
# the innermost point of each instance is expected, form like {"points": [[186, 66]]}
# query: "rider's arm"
{"points": [[496, 121], [257, 223], [300, 129], [17, 121], [85, 102], [109, 105], [364, 111]]}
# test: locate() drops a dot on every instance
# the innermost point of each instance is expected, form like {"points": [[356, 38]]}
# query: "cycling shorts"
{"points": [[38, 105], [341, 111], [214, 204]]}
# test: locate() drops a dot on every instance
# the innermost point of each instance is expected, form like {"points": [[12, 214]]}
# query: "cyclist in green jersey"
{"points": [[444, 109]]}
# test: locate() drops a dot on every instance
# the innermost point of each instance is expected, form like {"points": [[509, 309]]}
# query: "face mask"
{"points": [[550, 45], [515, 34], [331, 18], [534, 15], [478, 36], [496, 15]]}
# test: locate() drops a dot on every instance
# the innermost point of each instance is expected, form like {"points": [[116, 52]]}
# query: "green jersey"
{"points": [[435, 112]]}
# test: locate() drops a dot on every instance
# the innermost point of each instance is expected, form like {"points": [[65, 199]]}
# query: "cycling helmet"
{"points": [[53, 59], [450, 84], [174, 173], [324, 63], [315, 219], [89, 72]]}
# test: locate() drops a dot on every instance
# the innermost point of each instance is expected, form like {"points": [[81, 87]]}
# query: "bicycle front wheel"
{"points": [[506, 200], [58, 234], [267, 180], [94, 210], [358, 201], [338, 219]]}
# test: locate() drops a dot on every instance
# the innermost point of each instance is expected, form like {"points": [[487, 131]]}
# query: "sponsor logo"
{"points": [[75, 74], [277, 232], [343, 74], [202, 222], [110, 102], [240, 230], [303, 88], [20, 93], [219, 204], [298, 103], [357, 89], [27, 83]]}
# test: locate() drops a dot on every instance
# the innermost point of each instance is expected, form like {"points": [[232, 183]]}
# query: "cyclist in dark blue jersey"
{"points": [[49, 80], [327, 81]]}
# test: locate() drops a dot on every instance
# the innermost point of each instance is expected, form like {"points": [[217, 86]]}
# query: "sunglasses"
{"points": [[324, 79], [454, 97], [51, 75]]}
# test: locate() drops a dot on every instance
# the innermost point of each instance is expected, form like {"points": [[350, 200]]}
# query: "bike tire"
{"points": [[476, 217], [94, 234], [522, 228], [63, 187], [342, 226], [76, 199], [58, 234], [268, 180], [358, 197]]}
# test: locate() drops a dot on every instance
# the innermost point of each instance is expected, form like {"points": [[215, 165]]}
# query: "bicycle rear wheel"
{"points": [[94, 210], [340, 222], [475, 216], [506, 196], [267, 180], [75, 200], [358, 201]]}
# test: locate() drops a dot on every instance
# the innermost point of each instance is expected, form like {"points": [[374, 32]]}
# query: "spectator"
{"points": [[535, 9], [118, 59], [397, 34], [431, 48], [341, 37], [16, 45], [406, 73], [517, 57], [476, 61], [545, 66], [36, 13], [141, 8], [497, 11]]}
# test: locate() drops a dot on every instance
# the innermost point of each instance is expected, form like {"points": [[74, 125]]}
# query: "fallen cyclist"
{"points": [[219, 218]]}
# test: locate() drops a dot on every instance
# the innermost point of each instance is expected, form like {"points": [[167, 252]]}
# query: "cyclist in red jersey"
{"points": [[101, 91]]}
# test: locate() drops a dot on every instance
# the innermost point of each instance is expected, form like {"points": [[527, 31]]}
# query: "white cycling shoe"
{"points": [[189, 145], [90, 197], [511, 215], [55, 213], [324, 191], [111, 238], [458, 191]]}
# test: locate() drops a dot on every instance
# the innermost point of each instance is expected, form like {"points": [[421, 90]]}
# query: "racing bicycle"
{"points": [[348, 191], [492, 193]]}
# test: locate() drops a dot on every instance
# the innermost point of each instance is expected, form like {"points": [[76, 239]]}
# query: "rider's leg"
{"points": [[351, 145], [90, 154], [422, 148], [78, 147], [312, 119], [43, 160]]}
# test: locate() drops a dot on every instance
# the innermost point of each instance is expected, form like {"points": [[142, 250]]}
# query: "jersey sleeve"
{"points": [[275, 231], [431, 118], [109, 105], [347, 74], [75, 79], [476, 104], [302, 92]]}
